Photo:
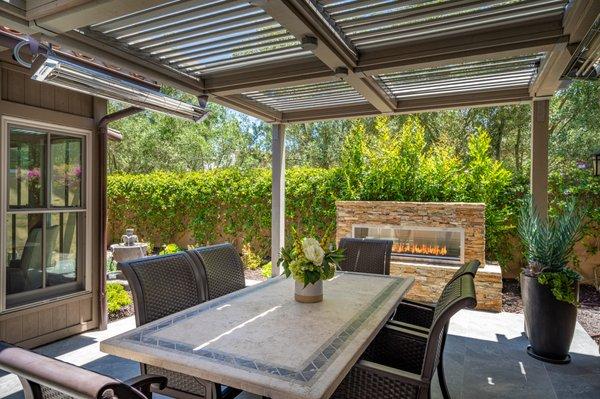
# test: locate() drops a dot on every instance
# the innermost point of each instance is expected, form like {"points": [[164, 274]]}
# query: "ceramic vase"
{"points": [[310, 294]]}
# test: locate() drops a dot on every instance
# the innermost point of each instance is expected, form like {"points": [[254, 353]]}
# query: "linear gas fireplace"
{"points": [[417, 243]]}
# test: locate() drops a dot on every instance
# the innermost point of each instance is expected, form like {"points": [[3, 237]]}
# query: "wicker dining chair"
{"points": [[163, 285], [400, 363], [419, 316], [366, 256], [43, 377], [222, 267]]}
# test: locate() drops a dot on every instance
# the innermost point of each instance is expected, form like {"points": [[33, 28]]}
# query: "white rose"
{"points": [[313, 251]]}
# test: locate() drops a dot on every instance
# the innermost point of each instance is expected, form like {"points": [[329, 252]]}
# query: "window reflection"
{"points": [[24, 236], [62, 230], [26, 170], [66, 157]]}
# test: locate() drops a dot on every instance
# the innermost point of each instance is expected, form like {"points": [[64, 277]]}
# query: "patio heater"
{"points": [[63, 72], [596, 164]]}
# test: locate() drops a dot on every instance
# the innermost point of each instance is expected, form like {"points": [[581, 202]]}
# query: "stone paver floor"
{"points": [[485, 358]]}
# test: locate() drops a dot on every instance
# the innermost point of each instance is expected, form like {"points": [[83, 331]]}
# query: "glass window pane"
{"points": [[66, 159], [24, 257], [62, 236], [27, 169]]}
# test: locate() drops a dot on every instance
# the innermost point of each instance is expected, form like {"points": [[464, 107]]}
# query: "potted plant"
{"points": [[309, 264], [550, 290]]}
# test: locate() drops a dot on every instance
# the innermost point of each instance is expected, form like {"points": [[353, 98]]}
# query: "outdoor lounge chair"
{"points": [[223, 268], [366, 256], [400, 363], [163, 285], [47, 378]]}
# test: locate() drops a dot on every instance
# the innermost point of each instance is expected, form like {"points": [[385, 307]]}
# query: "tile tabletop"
{"points": [[261, 340]]}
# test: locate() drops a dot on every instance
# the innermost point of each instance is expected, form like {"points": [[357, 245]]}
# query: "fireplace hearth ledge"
{"points": [[430, 280]]}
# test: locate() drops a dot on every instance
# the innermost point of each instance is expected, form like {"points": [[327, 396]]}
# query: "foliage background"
{"points": [[176, 181]]}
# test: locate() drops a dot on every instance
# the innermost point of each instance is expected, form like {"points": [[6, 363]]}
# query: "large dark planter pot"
{"points": [[549, 323]]}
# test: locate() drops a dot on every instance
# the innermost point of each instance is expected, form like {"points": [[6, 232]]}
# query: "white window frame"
{"points": [[5, 121]]}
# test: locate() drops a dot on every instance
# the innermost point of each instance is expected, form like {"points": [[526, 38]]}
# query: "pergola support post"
{"points": [[539, 156], [277, 196]]}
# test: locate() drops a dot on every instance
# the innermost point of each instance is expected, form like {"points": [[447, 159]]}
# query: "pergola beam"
{"points": [[248, 106], [277, 74], [577, 21], [302, 20]]}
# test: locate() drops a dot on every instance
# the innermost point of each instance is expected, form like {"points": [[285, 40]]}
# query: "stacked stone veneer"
{"points": [[429, 278]]}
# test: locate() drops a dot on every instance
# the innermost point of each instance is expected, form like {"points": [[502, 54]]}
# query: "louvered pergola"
{"points": [[303, 60]]}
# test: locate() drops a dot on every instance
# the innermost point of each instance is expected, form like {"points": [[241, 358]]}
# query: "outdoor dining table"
{"points": [[260, 340]]}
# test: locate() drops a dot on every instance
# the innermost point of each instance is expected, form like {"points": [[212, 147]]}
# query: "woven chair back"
{"points": [[366, 256], [223, 268]]}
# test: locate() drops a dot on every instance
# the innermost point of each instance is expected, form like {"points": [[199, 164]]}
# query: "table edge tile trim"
{"points": [[321, 357]]}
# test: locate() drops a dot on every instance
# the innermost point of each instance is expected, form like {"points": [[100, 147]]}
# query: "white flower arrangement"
{"points": [[307, 262]]}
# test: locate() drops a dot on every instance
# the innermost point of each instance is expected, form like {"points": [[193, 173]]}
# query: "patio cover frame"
{"points": [[75, 24]]}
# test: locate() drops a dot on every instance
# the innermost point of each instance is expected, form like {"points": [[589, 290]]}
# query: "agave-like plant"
{"points": [[549, 244]]}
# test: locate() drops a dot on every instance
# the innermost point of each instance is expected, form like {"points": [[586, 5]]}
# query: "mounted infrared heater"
{"points": [[60, 71]]}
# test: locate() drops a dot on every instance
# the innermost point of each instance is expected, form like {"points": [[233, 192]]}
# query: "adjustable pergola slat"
{"points": [[465, 70], [308, 96], [245, 58], [372, 56], [509, 12], [237, 53], [247, 29], [169, 37], [371, 8], [188, 20], [423, 11], [228, 46], [476, 84], [249, 60], [168, 8], [481, 89]]}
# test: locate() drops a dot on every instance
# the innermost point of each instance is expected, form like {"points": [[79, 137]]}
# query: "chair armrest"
{"points": [[390, 372], [143, 382], [400, 328], [414, 314], [398, 348], [410, 327], [418, 304]]}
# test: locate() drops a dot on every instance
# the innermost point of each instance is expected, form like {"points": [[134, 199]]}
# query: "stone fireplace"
{"points": [[443, 245], [430, 240]]}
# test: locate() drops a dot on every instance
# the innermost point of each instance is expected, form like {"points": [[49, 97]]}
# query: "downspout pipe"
{"points": [[103, 146]]}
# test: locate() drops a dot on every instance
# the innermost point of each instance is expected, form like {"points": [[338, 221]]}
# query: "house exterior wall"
{"points": [[53, 319]]}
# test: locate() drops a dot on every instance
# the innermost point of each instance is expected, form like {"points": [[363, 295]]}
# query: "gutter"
{"points": [[104, 136]]}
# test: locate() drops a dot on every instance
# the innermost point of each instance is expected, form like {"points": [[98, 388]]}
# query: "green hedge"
{"points": [[235, 205], [218, 205]]}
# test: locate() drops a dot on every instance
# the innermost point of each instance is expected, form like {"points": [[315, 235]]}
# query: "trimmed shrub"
{"points": [[117, 297]]}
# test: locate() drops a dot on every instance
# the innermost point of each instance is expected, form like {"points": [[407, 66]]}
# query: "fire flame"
{"points": [[420, 249]]}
